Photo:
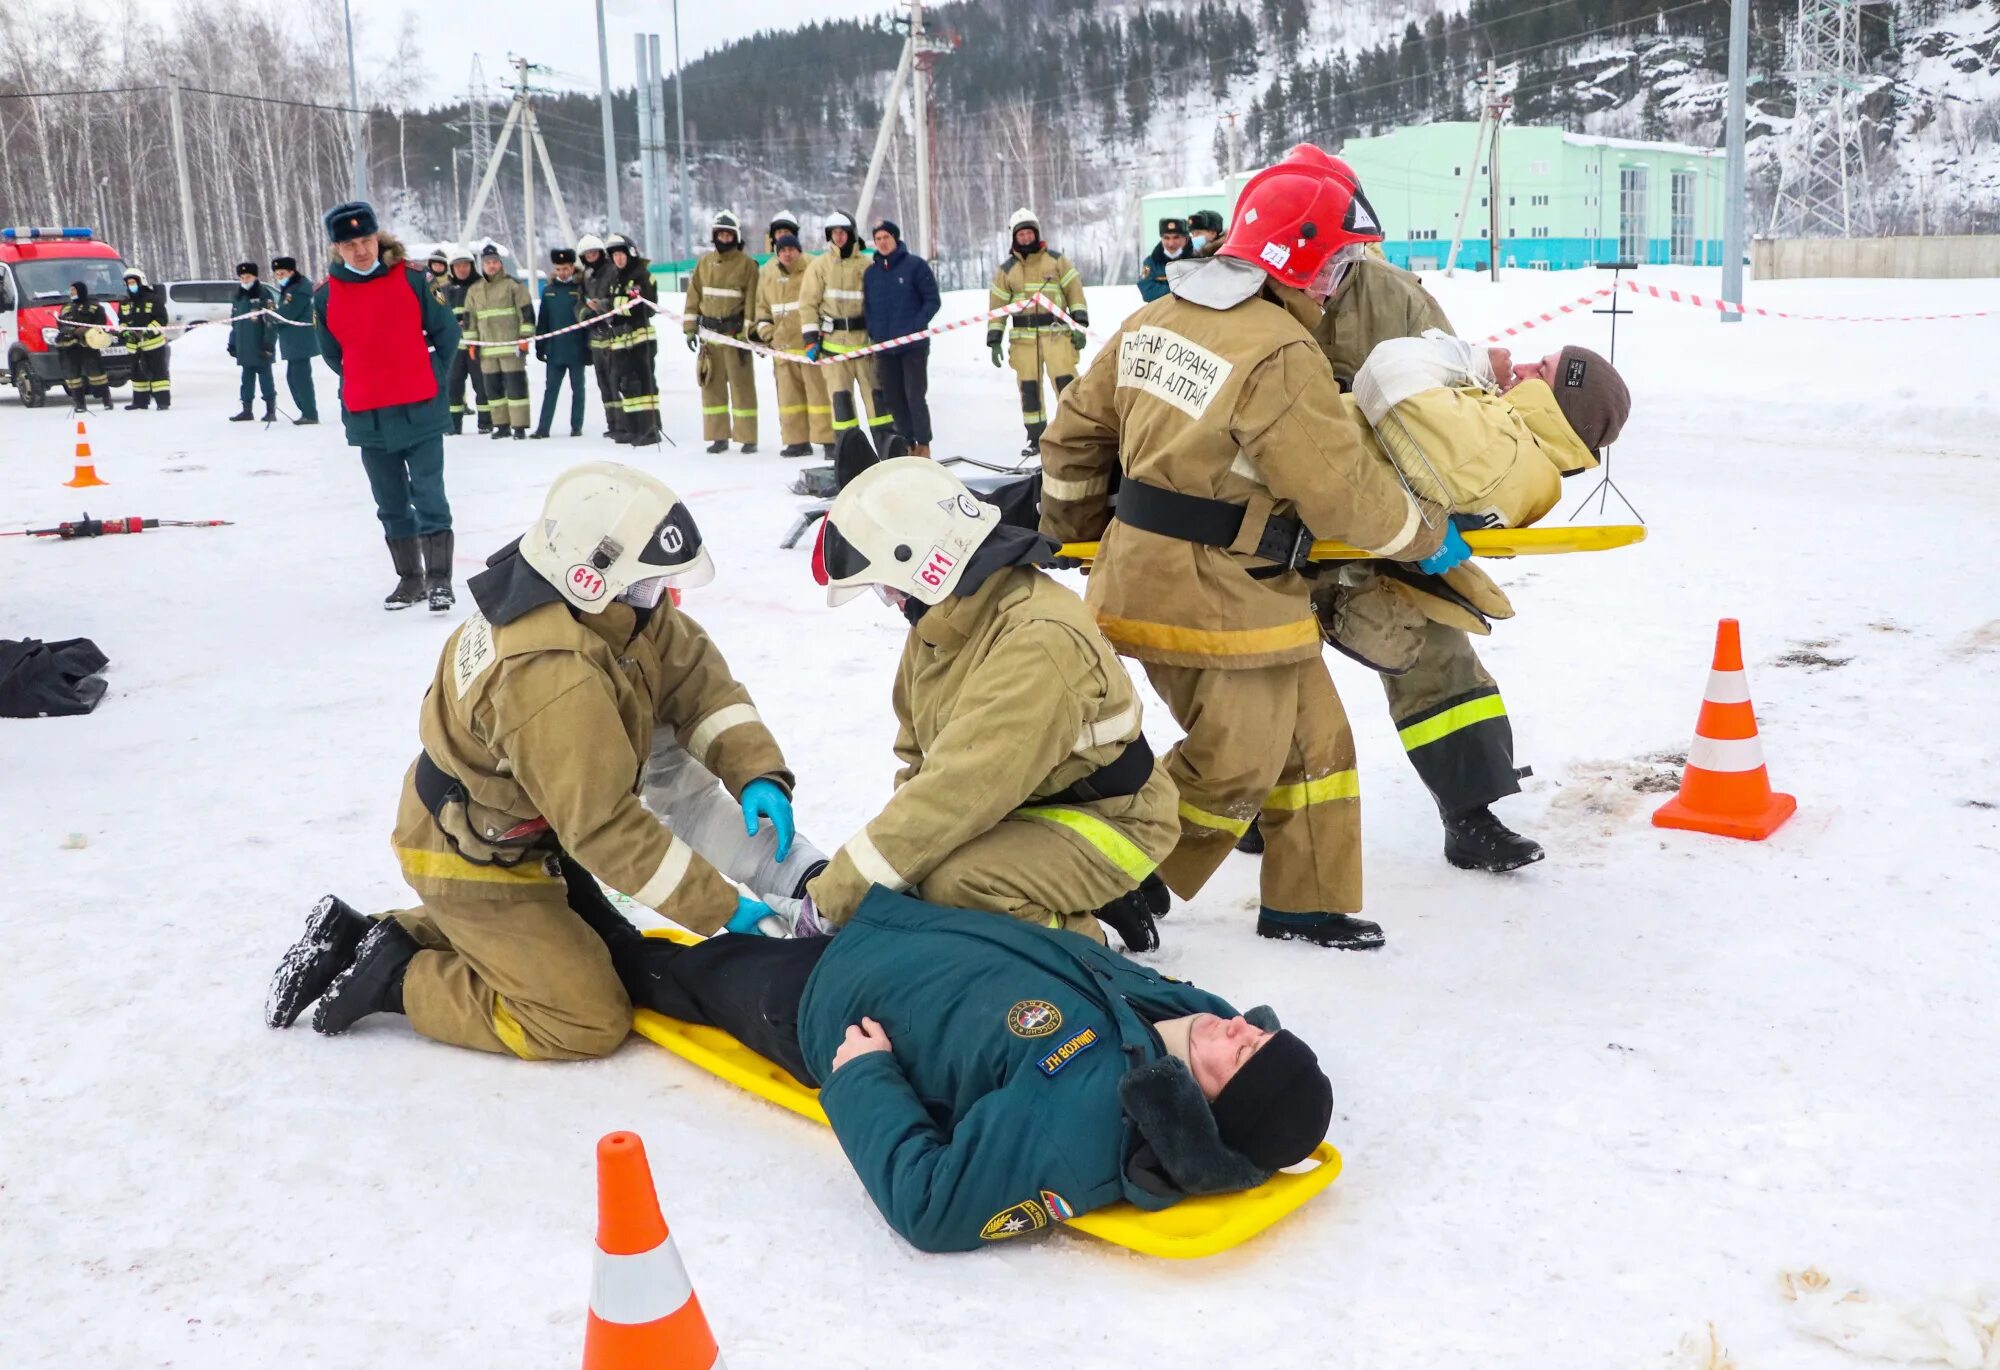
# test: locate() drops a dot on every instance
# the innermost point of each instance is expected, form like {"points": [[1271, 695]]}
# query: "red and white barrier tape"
{"points": [[935, 330], [1722, 307]]}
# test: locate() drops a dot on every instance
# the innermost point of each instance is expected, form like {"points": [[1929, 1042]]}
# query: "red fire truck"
{"points": [[36, 268]]}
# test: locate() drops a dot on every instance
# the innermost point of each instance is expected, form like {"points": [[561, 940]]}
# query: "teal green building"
{"points": [[1568, 199]]}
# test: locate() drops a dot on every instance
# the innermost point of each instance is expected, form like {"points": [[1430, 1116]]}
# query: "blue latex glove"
{"points": [[749, 913], [1449, 555], [766, 799]]}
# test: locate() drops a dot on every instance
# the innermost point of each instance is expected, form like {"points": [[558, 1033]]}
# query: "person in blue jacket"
{"points": [[567, 355], [899, 296], [1172, 247], [253, 342], [988, 1078]]}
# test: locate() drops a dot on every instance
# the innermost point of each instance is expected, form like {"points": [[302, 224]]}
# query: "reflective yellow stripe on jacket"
{"points": [[1113, 845]]}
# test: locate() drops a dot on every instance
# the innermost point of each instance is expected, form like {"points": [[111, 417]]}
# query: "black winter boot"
{"points": [[373, 983], [1252, 840], [437, 567], [1477, 841], [245, 417], [749, 449], [270, 411], [409, 574], [1133, 915], [497, 432], [520, 435], [825, 450], [796, 449], [138, 402], [719, 445], [1325, 929], [323, 951]]}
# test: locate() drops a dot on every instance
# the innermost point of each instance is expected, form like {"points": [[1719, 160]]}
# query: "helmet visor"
{"points": [[836, 563]]}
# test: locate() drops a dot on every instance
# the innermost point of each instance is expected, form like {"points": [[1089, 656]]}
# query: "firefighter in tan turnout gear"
{"points": [[833, 325], [501, 315], [805, 415], [722, 298], [537, 732], [1026, 786], [1216, 414], [1040, 342], [1413, 629]]}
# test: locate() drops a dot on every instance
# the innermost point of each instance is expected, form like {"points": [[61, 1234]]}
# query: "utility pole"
{"points": [[1235, 158], [875, 160], [612, 215], [1497, 111], [649, 226], [527, 174], [1471, 171], [356, 130], [681, 135], [920, 87], [188, 239], [657, 102], [1733, 208]]}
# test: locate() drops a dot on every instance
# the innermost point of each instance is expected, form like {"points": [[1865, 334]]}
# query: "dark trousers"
{"points": [[256, 377], [149, 378], [463, 368], [604, 362], [84, 374], [639, 390], [905, 381], [299, 380], [408, 485], [553, 376]]}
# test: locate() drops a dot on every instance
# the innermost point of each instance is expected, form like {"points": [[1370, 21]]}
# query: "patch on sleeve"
{"points": [[1024, 1217], [1163, 363], [1059, 1208], [1068, 1051], [474, 653], [1033, 1018]]}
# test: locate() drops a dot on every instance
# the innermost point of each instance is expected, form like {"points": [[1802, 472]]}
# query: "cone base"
{"points": [[84, 479], [1750, 827]]}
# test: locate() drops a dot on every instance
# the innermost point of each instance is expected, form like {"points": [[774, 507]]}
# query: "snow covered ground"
{"points": [[1586, 1109]]}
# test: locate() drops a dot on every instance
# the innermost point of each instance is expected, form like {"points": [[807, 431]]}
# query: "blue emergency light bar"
{"points": [[15, 234]]}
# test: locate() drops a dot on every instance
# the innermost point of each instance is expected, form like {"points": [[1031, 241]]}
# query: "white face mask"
{"points": [[1200, 240]]}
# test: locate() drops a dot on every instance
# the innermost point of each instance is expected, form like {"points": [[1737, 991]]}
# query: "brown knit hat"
{"points": [[1591, 395]]}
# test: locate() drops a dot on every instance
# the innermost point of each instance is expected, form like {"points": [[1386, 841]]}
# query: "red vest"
{"points": [[379, 324]]}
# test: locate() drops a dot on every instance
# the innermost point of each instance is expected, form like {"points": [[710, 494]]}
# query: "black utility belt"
{"points": [[853, 323], [1211, 522], [1125, 774], [732, 324], [1034, 321], [451, 808]]}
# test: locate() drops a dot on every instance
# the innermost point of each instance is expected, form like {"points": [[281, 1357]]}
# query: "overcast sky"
{"points": [[563, 33]]}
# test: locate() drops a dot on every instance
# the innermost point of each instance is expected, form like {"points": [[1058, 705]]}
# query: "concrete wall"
{"points": [[1972, 255]]}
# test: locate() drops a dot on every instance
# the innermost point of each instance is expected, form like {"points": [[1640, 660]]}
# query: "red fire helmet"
{"points": [[1295, 214]]}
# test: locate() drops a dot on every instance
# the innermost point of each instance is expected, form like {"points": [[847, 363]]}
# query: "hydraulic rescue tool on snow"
{"points": [[88, 527]]}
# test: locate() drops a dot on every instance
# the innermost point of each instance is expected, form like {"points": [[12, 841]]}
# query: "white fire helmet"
{"points": [[1023, 218], [837, 219], [609, 532], [461, 253], [906, 524], [589, 242]]}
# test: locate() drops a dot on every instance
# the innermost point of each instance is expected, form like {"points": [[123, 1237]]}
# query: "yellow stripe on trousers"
{"points": [[1451, 720], [1327, 788], [1202, 818], [1120, 850], [508, 1029], [420, 863]]}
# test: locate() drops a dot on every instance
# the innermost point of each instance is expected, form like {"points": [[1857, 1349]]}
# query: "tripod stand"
{"points": [[1607, 487]]}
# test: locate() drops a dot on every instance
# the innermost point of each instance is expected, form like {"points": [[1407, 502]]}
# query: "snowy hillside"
{"points": [[1586, 1109]]}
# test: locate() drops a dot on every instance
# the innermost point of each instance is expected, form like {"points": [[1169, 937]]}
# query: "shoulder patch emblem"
{"points": [[1068, 1051], [474, 653], [1033, 1018], [1059, 1208], [1024, 1217]]}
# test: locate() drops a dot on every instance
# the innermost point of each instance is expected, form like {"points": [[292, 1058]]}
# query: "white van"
{"points": [[198, 301]]}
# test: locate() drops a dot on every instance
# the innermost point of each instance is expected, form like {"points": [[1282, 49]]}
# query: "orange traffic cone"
{"points": [[1726, 790], [86, 470], [643, 1312]]}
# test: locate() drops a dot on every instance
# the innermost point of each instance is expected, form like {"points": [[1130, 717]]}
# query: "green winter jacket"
{"points": [[250, 339], [295, 303], [560, 302], [399, 426], [1001, 1108]]}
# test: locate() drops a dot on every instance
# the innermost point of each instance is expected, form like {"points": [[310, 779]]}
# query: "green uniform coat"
{"points": [[561, 302], [295, 304], [397, 426], [250, 339], [1002, 1097]]}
